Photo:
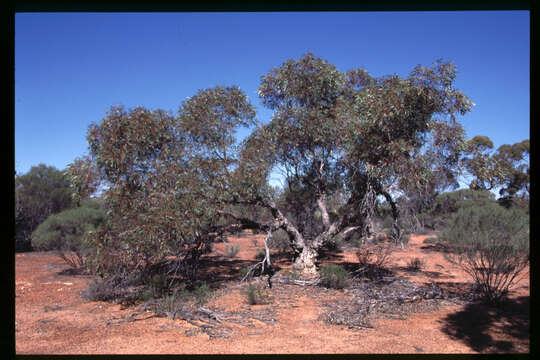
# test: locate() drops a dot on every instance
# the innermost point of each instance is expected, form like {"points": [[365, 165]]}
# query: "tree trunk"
{"points": [[367, 211], [306, 262]]}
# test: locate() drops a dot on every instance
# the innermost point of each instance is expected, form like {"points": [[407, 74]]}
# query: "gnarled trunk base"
{"points": [[305, 262]]}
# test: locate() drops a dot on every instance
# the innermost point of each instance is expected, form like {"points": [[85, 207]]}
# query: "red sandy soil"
{"points": [[51, 317]]}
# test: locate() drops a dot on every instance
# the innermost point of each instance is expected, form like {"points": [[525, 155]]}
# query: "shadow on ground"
{"points": [[478, 320]]}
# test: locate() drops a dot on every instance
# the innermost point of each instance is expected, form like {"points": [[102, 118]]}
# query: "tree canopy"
{"points": [[339, 139], [42, 191]]}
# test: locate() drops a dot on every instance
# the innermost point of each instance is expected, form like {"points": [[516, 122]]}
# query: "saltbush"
{"points": [[231, 250], [65, 230], [255, 295], [431, 240], [279, 241], [373, 259], [415, 264], [491, 244], [66, 233], [333, 276]]}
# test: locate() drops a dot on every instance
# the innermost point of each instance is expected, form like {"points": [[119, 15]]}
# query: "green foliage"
{"points": [[515, 179], [112, 289], [39, 193], [201, 294], [231, 250], [66, 230], [416, 264], [294, 274], [506, 168], [83, 177], [491, 244], [431, 240], [333, 276], [260, 254], [243, 271], [255, 295], [449, 203], [176, 183], [166, 177], [279, 241]]}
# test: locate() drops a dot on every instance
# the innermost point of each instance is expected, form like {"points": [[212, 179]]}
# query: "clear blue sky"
{"points": [[71, 67]]}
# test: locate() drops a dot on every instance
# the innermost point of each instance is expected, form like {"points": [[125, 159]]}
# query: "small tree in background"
{"points": [[515, 179], [491, 244], [506, 169], [42, 191]]}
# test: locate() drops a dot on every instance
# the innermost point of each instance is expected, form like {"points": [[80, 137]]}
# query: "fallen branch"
{"points": [[262, 263], [132, 316], [297, 282]]}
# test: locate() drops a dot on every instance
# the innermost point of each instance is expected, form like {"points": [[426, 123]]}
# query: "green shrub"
{"points": [[109, 290], [491, 244], [200, 294], [255, 295], [431, 240], [231, 250], [159, 285], [279, 241], [65, 231], [243, 271], [169, 305], [294, 274], [333, 276], [39, 193], [373, 259], [416, 264], [260, 254]]}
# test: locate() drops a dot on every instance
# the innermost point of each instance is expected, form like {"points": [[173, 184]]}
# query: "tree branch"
{"points": [[321, 202]]}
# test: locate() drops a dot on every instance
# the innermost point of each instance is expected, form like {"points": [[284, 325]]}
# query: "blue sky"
{"points": [[71, 67]]}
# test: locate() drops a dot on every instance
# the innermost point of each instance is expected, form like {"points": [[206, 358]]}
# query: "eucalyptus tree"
{"points": [[173, 182], [505, 169], [40, 192], [349, 133], [515, 178]]}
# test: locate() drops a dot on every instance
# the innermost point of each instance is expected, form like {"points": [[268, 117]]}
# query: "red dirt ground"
{"points": [[52, 318]]}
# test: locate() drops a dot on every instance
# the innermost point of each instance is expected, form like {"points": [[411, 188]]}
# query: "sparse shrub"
{"points": [[491, 244], [159, 285], [101, 290], [231, 250], [416, 264], [255, 295], [373, 259], [260, 254], [387, 223], [169, 305], [201, 294], [374, 254], [333, 276], [279, 241], [294, 274], [126, 287], [431, 240], [243, 271]]}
